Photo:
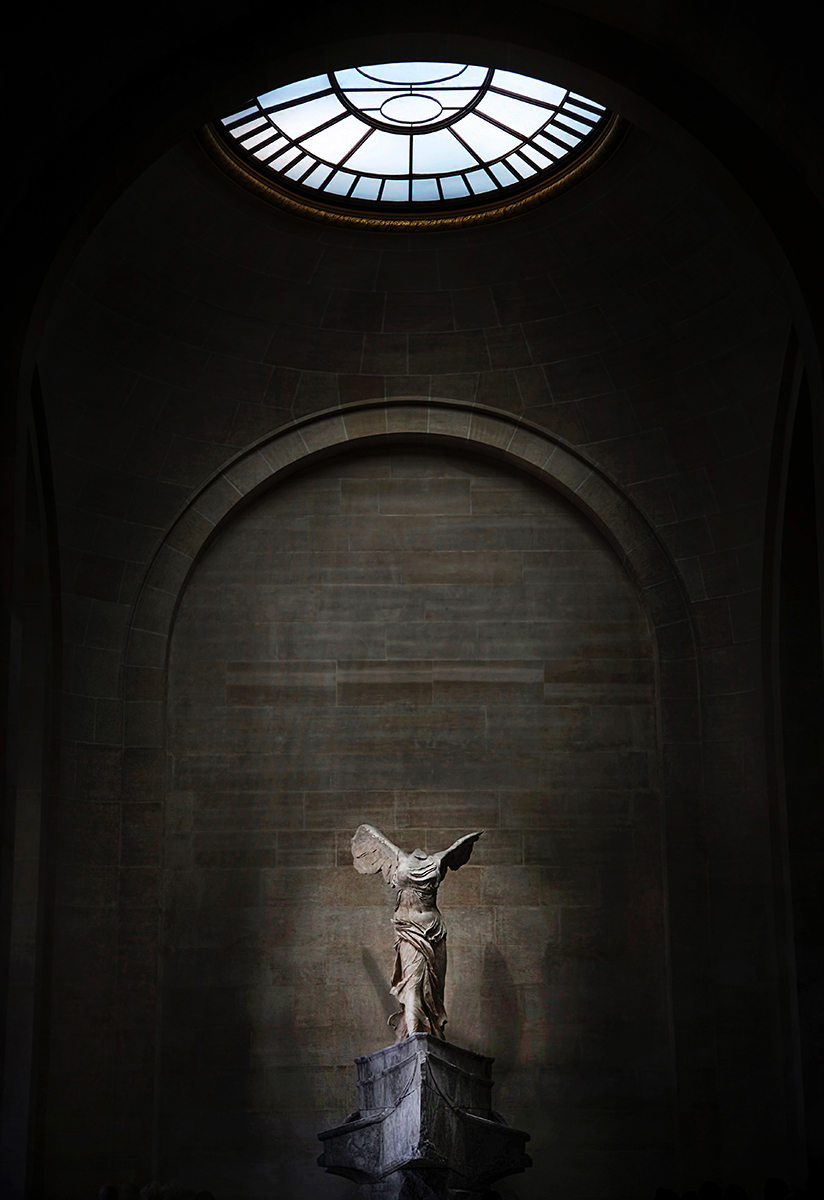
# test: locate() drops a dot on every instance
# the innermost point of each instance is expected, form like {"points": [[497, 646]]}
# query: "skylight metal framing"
{"points": [[560, 130]]}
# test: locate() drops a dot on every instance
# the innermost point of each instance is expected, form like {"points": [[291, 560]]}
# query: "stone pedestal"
{"points": [[425, 1129]]}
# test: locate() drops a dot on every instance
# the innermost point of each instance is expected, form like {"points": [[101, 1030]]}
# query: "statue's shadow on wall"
{"points": [[501, 1020], [377, 977]]}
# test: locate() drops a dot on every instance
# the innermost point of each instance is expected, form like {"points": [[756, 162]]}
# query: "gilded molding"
{"points": [[231, 163]]}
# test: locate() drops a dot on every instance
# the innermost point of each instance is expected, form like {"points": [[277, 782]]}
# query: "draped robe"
{"points": [[420, 948]]}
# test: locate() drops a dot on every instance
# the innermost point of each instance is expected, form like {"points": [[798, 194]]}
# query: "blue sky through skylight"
{"points": [[413, 133]]}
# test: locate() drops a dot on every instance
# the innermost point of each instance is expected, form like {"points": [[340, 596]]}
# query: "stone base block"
{"points": [[425, 1129]]}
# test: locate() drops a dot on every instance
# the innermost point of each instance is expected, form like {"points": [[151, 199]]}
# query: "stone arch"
{"points": [[434, 424], [678, 772], [679, 699], [444, 422]]}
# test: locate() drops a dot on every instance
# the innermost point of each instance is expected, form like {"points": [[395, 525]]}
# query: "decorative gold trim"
{"points": [[601, 148]]}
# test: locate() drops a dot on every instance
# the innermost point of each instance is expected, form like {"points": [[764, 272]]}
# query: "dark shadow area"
{"points": [[26, 871], [501, 1016], [379, 982], [802, 703]]}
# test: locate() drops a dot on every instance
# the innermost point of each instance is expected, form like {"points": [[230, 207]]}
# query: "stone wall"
{"points": [[433, 644], [632, 318]]}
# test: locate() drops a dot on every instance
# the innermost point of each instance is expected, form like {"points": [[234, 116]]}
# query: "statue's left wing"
{"points": [[374, 852], [458, 853]]}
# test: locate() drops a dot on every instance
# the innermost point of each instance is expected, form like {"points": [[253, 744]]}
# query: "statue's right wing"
{"points": [[458, 853], [373, 852]]}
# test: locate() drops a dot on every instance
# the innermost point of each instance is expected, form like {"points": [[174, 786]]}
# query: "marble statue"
{"points": [[420, 934]]}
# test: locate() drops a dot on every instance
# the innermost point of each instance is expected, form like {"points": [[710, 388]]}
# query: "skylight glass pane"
{"points": [[439, 151], [540, 160], [480, 181], [307, 116], [579, 125], [416, 72], [488, 141], [425, 189], [294, 91], [340, 183], [396, 190], [586, 100], [298, 168], [245, 112], [257, 138], [563, 135], [249, 125], [521, 166], [270, 150], [517, 115], [318, 177], [382, 154], [503, 174], [453, 187], [451, 97], [471, 77], [336, 141], [414, 109], [552, 149], [592, 117], [367, 189], [282, 161], [523, 85], [353, 78], [372, 101]]}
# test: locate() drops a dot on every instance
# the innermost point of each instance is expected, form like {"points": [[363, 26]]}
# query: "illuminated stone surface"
{"points": [[425, 1127]]}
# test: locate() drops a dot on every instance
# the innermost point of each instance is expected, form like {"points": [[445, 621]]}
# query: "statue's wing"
{"points": [[373, 852], [458, 853]]}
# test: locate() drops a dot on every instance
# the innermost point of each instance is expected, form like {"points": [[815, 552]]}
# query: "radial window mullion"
{"points": [[273, 133], [232, 124], [356, 147], [586, 100], [562, 137], [552, 155], [576, 117], [525, 99], [455, 149], [266, 153], [503, 174], [480, 161], [516, 167], [261, 138], [248, 127], [310, 133], [293, 151], [313, 165], [295, 103], [512, 132], [241, 115], [321, 172], [570, 124], [569, 105], [542, 159]]}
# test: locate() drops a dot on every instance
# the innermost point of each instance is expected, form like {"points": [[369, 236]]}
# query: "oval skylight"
{"points": [[396, 134]]}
